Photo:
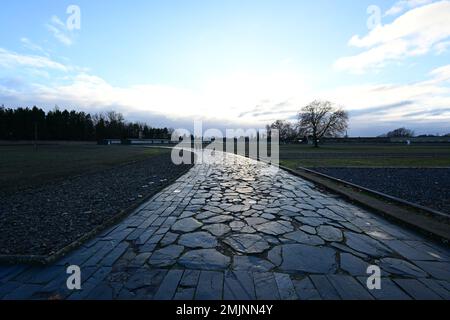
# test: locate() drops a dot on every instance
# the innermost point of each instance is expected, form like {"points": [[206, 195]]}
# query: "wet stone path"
{"points": [[239, 229]]}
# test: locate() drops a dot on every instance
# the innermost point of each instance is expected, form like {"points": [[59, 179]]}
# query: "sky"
{"points": [[233, 63]]}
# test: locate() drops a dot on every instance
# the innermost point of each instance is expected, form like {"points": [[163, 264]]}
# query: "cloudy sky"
{"points": [[233, 63]]}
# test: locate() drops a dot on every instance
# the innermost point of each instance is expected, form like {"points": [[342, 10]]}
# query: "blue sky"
{"points": [[232, 63]]}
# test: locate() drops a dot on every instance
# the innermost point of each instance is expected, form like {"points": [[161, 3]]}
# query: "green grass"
{"points": [[22, 166], [365, 156], [382, 148]]}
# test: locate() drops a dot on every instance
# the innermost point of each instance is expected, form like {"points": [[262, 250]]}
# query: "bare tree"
{"points": [[114, 117], [285, 129], [322, 119], [400, 133]]}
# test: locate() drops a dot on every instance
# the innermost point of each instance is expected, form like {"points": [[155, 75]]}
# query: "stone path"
{"points": [[243, 230]]}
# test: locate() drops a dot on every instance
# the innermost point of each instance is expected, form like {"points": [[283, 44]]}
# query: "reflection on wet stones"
{"points": [[198, 240], [251, 263], [186, 225], [166, 256], [204, 259], [298, 258], [218, 219], [275, 227], [302, 237], [218, 229], [247, 243], [366, 244], [329, 233], [402, 268]]}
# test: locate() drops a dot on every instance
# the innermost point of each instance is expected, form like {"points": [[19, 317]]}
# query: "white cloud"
{"points": [[442, 47], [10, 59], [414, 104], [223, 99], [238, 99], [57, 22], [401, 6], [441, 74], [30, 45], [415, 33], [60, 31]]}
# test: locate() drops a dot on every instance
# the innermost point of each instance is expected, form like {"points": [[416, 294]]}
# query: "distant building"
{"points": [[146, 141], [108, 142]]}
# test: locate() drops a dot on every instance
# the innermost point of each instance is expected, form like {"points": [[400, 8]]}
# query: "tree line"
{"points": [[323, 119], [28, 124], [408, 133]]}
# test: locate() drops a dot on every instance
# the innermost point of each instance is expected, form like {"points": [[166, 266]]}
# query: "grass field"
{"points": [[412, 156], [22, 166]]}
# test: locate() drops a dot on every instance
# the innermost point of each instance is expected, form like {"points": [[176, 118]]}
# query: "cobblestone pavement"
{"points": [[243, 230]]}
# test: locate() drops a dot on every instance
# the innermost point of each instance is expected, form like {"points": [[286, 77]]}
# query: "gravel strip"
{"points": [[429, 187], [42, 220]]}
